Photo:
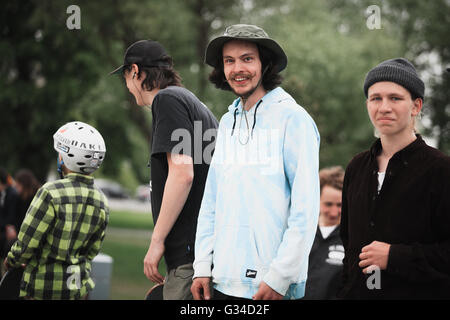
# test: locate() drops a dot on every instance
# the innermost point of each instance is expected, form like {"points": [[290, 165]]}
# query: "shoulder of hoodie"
{"points": [[290, 108]]}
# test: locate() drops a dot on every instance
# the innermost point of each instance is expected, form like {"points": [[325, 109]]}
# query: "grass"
{"points": [[126, 241], [130, 220]]}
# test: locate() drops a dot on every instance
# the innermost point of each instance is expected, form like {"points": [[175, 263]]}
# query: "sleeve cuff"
{"points": [[202, 269], [274, 280], [12, 262], [399, 257]]}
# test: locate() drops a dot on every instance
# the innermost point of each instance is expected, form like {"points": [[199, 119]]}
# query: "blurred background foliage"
{"points": [[51, 75]]}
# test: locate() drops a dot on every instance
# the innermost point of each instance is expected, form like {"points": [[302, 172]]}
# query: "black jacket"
{"points": [[22, 208], [411, 212], [8, 207], [325, 266]]}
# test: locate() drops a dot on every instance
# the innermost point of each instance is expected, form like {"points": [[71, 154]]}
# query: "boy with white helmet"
{"points": [[65, 224]]}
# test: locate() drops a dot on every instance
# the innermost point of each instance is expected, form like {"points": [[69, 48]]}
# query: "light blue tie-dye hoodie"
{"points": [[260, 207]]}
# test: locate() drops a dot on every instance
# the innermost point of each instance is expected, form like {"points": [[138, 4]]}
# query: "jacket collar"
{"points": [[404, 154], [89, 180]]}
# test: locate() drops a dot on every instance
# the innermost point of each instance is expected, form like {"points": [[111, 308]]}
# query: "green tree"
{"points": [[424, 28], [421, 29], [328, 59], [53, 74], [46, 69]]}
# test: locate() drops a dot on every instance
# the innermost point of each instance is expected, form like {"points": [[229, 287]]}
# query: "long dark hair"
{"points": [[158, 77], [271, 78], [29, 183]]}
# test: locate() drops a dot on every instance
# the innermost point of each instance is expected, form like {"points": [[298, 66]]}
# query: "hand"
{"points": [[6, 264], [11, 233], [376, 253], [266, 293], [200, 288], [152, 259]]}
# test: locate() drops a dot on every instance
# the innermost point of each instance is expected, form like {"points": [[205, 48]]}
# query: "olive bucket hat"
{"points": [[245, 32]]}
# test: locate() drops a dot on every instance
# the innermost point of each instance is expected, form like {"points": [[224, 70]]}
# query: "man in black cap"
{"points": [[395, 224], [260, 209], [178, 168]]}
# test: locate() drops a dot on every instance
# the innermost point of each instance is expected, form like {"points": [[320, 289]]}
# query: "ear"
{"points": [[418, 104], [135, 69]]}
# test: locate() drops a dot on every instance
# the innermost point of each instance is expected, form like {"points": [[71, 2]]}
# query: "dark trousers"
{"points": [[217, 295]]}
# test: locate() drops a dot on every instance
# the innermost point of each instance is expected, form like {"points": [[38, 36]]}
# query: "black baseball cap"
{"points": [[146, 53]]}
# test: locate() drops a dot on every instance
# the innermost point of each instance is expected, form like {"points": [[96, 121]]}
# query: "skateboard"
{"points": [[155, 293], [10, 284]]}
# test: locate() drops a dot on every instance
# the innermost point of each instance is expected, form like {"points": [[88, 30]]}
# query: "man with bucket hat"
{"points": [[260, 208]]}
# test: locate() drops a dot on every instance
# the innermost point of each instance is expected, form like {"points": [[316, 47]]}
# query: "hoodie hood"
{"points": [[275, 95]]}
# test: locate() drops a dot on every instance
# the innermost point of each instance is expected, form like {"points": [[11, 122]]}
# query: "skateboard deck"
{"points": [[10, 284], [155, 293]]}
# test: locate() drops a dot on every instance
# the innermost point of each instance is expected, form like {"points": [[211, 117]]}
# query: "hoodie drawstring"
{"points": [[234, 123], [254, 118]]}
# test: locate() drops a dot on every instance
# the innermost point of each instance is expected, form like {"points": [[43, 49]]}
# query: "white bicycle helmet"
{"points": [[81, 146]]}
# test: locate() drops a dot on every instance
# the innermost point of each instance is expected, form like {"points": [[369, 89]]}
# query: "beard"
{"points": [[248, 77]]}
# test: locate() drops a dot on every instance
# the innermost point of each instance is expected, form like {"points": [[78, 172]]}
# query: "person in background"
{"points": [[65, 224], [26, 185], [8, 208], [325, 259]]}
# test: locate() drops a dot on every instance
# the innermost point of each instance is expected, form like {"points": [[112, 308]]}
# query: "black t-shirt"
{"points": [[182, 124]]}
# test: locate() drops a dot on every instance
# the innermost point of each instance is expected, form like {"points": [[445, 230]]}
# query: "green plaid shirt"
{"points": [[62, 232]]}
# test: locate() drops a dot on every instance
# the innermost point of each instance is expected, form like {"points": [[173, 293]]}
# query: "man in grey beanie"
{"points": [[395, 223]]}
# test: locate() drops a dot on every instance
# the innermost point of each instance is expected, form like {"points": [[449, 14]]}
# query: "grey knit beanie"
{"points": [[398, 70]]}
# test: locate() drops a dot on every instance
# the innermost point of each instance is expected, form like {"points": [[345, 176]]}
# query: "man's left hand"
{"points": [[266, 293], [376, 253], [6, 264], [152, 259]]}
